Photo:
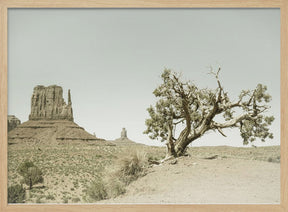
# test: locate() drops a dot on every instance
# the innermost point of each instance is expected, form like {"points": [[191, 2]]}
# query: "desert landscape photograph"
{"points": [[143, 106]]}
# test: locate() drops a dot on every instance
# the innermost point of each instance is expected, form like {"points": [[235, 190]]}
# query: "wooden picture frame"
{"points": [[6, 4]]}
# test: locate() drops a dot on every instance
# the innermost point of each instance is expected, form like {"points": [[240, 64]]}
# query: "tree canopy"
{"points": [[181, 102]]}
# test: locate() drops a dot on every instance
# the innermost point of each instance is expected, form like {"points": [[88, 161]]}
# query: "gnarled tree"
{"points": [[198, 110]]}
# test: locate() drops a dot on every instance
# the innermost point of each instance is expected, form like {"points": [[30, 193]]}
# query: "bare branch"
{"points": [[179, 121], [232, 122], [221, 132]]}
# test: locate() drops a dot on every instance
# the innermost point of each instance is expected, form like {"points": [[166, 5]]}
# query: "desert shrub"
{"points": [[132, 167], [156, 157], [76, 184], [31, 174], [16, 194], [38, 200], [31, 194], [50, 196], [76, 199], [37, 191], [274, 160], [65, 200], [97, 190], [115, 188]]}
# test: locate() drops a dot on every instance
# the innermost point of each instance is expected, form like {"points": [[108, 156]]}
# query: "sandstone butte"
{"points": [[51, 120], [12, 122], [124, 140]]}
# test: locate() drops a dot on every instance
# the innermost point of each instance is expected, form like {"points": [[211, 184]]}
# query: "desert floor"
{"points": [[207, 181], [235, 175]]}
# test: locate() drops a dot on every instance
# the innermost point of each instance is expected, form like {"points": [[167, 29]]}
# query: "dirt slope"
{"points": [[51, 131], [196, 180]]}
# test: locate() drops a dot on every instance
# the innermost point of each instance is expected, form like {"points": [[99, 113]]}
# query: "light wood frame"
{"points": [[6, 4]]}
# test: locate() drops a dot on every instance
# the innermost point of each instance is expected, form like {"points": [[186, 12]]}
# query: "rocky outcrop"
{"points": [[47, 103], [12, 122], [124, 140]]}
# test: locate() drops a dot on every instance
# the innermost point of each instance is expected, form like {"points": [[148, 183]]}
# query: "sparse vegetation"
{"points": [[115, 188], [97, 191], [274, 159], [65, 200], [76, 199], [38, 200], [16, 194], [50, 197], [128, 169]]}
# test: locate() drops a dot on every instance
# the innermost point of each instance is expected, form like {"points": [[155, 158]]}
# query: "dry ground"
{"points": [[236, 175], [207, 181]]}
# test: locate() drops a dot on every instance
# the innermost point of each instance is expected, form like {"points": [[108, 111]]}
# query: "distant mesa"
{"points": [[12, 122], [51, 120], [124, 140]]}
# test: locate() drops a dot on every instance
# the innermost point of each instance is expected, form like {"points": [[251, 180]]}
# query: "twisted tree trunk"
{"points": [[30, 183], [170, 143]]}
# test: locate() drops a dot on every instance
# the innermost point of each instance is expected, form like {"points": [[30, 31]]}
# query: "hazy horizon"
{"points": [[112, 59]]}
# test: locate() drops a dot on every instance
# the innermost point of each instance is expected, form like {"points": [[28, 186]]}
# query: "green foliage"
{"points": [[31, 174], [16, 194], [251, 129], [258, 127]]}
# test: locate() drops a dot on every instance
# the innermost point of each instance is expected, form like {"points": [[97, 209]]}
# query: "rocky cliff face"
{"points": [[12, 122], [47, 103]]}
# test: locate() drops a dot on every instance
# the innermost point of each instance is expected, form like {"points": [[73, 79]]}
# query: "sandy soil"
{"points": [[196, 180]]}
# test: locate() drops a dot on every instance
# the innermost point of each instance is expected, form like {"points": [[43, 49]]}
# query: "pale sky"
{"points": [[112, 59]]}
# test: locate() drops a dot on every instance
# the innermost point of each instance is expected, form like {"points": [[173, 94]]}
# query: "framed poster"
{"points": [[205, 81]]}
